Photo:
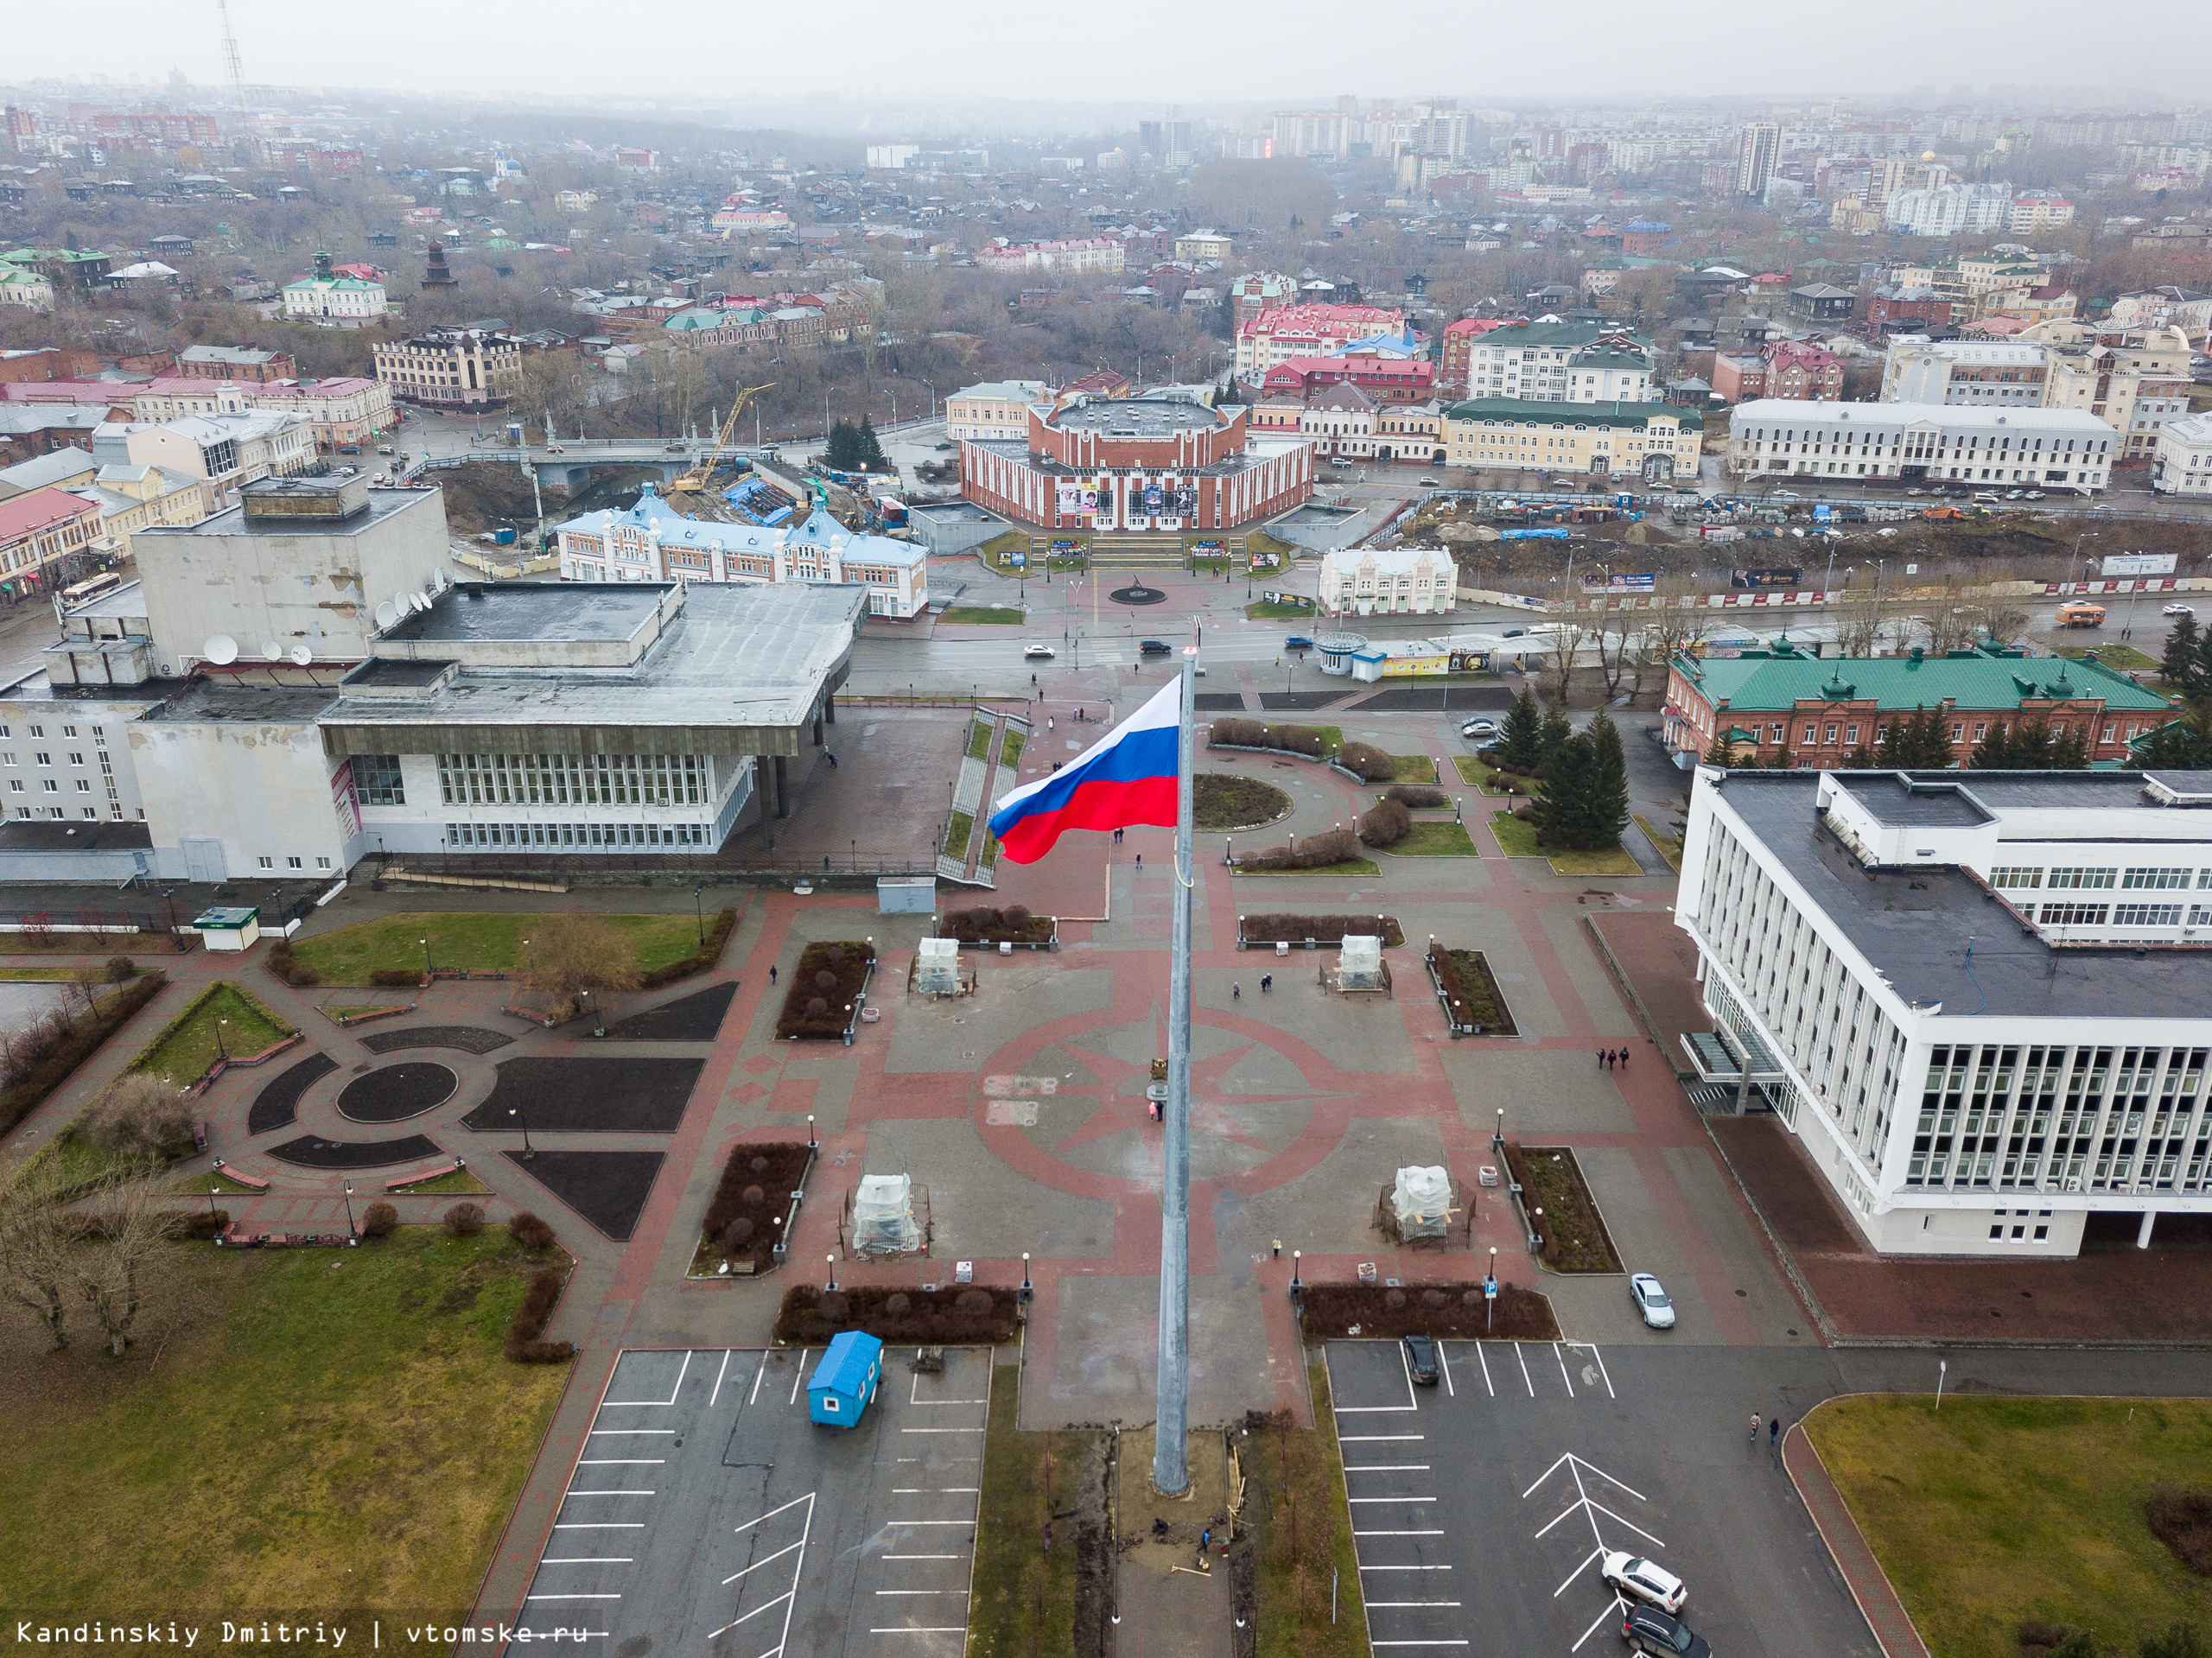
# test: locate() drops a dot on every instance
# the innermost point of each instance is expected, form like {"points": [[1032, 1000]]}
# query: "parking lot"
{"points": [[707, 1510], [1480, 1506]]}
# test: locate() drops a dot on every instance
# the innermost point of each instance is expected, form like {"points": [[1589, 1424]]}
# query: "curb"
{"points": [[1899, 1642]]}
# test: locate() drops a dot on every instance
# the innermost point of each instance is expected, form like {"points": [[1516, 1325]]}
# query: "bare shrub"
{"points": [[139, 1115], [464, 1220], [1367, 763], [379, 1220], [529, 1231], [1385, 823]]}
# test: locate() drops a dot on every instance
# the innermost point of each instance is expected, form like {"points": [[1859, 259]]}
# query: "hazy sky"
{"points": [[1288, 52]]}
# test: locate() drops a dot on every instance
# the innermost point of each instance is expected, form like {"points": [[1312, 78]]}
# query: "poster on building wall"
{"points": [[1155, 501], [1074, 498], [1186, 501], [343, 801]]}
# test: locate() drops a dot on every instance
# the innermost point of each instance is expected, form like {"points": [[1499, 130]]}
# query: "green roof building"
{"points": [[1817, 711]]}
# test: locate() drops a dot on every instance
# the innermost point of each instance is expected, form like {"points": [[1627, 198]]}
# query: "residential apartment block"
{"points": [[1923, 443], [1938, 981], [1981, 373], [2135, 380], [346, 409], [1560, 362], [2184, 457], [1288, 330]]}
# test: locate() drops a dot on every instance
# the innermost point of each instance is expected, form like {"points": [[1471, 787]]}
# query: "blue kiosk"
{"points": [[843, 1384]]}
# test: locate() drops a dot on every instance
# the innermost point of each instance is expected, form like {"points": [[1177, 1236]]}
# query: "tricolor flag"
{"points": [[1126, 777]]}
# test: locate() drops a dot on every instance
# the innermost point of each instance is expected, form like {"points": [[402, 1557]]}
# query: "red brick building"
{"points": [[235, 363], [1137, 464], [43, 363], [1386, 380], [1785, 368], [1897, 307], [1459, 340]]}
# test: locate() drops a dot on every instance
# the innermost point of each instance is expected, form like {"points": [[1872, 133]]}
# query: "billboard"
{"points": [[1643, 583], [1787, 577], [1186, 501], [2139, 564], [1075, 499]]}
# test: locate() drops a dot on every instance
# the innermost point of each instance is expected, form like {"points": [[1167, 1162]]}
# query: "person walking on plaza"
{"points": [[1774, 1432]]}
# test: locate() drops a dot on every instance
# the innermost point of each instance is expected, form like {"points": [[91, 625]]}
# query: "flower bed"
{"points": [[1468, 991], [984, 926], [743, 1221], [1575, 1238], [1225, 801], [1316, 931], [1327, 1312], [1308, 742], [820, 1011], [961, 1314]]}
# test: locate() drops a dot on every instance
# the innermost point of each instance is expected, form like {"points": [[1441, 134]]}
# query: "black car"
{"points": [[1646, 1629], [1153, 647], [1421, 1360]]}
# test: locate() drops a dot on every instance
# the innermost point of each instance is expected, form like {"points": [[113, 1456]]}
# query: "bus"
{"points": [[92, 587]]}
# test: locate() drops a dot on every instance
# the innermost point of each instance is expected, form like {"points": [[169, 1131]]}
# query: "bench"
{"points": [[407, 1180], [251, 1182]]}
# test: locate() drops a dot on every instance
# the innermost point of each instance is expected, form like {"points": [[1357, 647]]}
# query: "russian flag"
{"points": [[1126, 777]]}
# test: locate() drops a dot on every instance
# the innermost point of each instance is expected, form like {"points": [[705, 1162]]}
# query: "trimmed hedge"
{"points": [[395, 977], [379, 1220], [1385, 823], [960, 1315], [1233, 733], [290, 969], [1418, 794], [846, 962], [523, 1342], [985, 926], [1314, 851], [1367, 763], [1378, 1312], [529, 1231], [1321, 929], [86, 1032], [701, 960]]}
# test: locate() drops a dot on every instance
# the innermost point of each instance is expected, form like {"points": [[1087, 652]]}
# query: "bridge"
{"points": [[567, 463]]}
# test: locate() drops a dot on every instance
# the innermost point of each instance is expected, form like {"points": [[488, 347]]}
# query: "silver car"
{"points": [[1651, 1301], [1644, 1580]]}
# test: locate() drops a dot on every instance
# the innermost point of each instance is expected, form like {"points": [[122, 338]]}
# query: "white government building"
{"points": [[1387, 580], [1922, 442], [1982, 1001]]}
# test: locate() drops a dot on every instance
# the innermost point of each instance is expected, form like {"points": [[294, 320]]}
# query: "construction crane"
{"points": [[695, 479], [231, 54]]}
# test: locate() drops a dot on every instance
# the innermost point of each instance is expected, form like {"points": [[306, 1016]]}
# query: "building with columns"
{"points": [[1978, 1000]]}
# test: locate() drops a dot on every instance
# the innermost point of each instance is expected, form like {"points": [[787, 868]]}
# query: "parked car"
{"points": [[1037, 652], [944, 446], [1645, 1580], [1651, 1301], [1153, 647], [1297, 642], [1484, 729], [1421, 1360], [2035, 495], [1646, 1629], [1428, 483], [2178, 609]]}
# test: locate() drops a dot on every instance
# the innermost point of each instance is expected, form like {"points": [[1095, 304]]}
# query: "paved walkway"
{"points": [[1862, 1573]]}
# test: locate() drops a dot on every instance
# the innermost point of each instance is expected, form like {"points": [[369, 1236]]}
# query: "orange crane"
{"points": [[695, 479]]}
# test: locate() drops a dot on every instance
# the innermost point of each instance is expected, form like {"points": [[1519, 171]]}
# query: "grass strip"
{"points": [[1429, 838], [986, 615], [1296, 1504], [1348, 866], [1518, 839], [223, 1018], [1413, 768], [1666, 846], [293, 1390], [473, 942], [1010, 747], [957, 835], [1022, 1600], [452, 1182], [1991, 1511], [1274, 610]]}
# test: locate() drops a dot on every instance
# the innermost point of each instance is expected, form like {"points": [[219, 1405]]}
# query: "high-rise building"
{"points": [[1755, 160]]}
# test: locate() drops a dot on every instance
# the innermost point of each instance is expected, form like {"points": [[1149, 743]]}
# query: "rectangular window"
{"points": [[2147, 915], [292, 863], [376, 781], [322, 863], [266, 863], [2074, 915], [2015, 875], [1851, 735], [2077, 876], [2159, 879]]}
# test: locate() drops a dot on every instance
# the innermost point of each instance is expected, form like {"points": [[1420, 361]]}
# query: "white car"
{"points": [[1645, 1580], [2178, 610], [1479, 728], [1651, 1301], [1037, 653]]}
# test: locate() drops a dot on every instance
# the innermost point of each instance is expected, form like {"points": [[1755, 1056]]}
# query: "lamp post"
{"points": [[1497, 1134], [812, 1144], [698, 911], [515, 1111], [221, 1047], [212, 1192], [427, 970], [1490, 1299], [1296, 1256], [831, 1289], [1025, 1275], [349, 1209]]}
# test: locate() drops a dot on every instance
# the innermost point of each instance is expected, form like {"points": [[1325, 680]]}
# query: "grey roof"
{"points": [[1143, 416], [563, 612], [216, 701], [382, 503], [51, 468], [1895, 799], [1914, 925]]}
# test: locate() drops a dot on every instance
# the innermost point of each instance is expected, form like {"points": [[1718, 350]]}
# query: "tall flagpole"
{"points": [[1171, 1472]]}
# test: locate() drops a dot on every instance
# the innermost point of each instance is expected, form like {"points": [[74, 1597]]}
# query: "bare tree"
{"points": [[1860, 619], [1681, 620], [35, 1245], [141, 1115], [1616, 630], [1995, 611], [129, 1239], [578, 956], [1571, 630], [87, 980]]}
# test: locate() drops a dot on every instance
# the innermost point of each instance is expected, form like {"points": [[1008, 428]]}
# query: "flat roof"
{"points": [[1914, 925], [1137, 417], [1893, 799], [204, 700], [382, 503], [484, 612], [86, 836]]}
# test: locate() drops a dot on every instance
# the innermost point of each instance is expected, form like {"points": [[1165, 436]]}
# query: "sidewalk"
{"points": [[1847, 1545]]}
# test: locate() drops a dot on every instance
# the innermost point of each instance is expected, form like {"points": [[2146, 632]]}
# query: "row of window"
{"points": [[2099, 1117], [2124, 915], [573, 779], [2140, 878], [634, 838], [269, 862]]}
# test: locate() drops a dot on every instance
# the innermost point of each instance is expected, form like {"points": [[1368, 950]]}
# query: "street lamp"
{"points": [[1296, 1255], [831, 1289], [699, 913], [1025, 1275], [515, 1111], [220, 1047], [428, 972], [213, 1192], [349, 1209], [812, 1144]]}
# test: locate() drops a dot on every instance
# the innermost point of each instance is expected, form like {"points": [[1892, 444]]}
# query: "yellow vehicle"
{"points": [[2080, 614], [695, 479]]}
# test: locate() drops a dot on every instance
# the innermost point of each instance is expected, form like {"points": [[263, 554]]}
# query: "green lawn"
{"points": [[2124, 658], [1348, 866], [1269, 610], [1473, 770], [454, 1182], [1022, 1600], [331, 1428], [1518, 839], [1294, 1503], [225, 1019], [56, 974], [196, 1185], [995, 615], [979, 741], [1010, 746], [474, 942], [1994, 1510], [1432, 838], [1415, 768], [81, 1166], [1333, 737], [956, 834], [1668, 847]]}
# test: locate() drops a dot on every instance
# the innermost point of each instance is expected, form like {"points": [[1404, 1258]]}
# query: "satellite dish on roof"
{"points": [[440, 580], [387, 614], [302, 655], [220, 649], [422, 602], [271, 652], [399, 605]]}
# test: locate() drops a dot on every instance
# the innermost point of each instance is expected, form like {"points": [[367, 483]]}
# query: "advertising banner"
{"points": [[1074, 498], [344, 801], [2139, 564], [1155, 501], [1770, 578], [1186, 501], [1643, 583]]}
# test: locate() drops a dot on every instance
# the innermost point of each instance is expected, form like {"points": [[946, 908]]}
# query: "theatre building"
{"points": [[1138, 463]]}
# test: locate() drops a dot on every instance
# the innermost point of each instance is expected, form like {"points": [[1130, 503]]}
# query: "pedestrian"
{"points": [[1624, 1058], [1235, 991], [1601, 1059], [1774, 1432], [1032, 679], [771, 973], [832, 758], [1205, 1539], [1048, 722], [1048, 1537], [1267, 982], [1755, 1427], [1140, 855]]}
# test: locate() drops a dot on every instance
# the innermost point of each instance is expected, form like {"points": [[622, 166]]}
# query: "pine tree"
{"points": [[2180, 667], [2030, 747], [1862, 759], [1520, 735], [1720, 754], [2200, 684], [871, 451], [2184, 745], [1551, 735], [1608, 807], [843, 451], [1563, 812], [1995, 752], [2069, 750], [1921, 742]]}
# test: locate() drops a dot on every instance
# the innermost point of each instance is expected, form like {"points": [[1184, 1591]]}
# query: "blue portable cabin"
{"points": [[844, 1383]]}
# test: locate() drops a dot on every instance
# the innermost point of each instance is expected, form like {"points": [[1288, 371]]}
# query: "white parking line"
{"points": [[758, 1564], [1386, 1605], [1413, 1401], [929, 1522], [587, 1559], [1444, 1360], [1386, 1468], [1389, 1499], [1563, 1375], [766, 1605], [754, 1396], [572, 1596], [789, 1596], [939, 1490], [797, 1373], [565, 1494], [1586, 1347], [1439, 1532], [941, 1430], [620, 1462], [718, 1375], [1611, 1611], [609, 1525], [1524, 1371], [1417, 1643], [1405, 1568], [1485, 1363], [660, 1404]]}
